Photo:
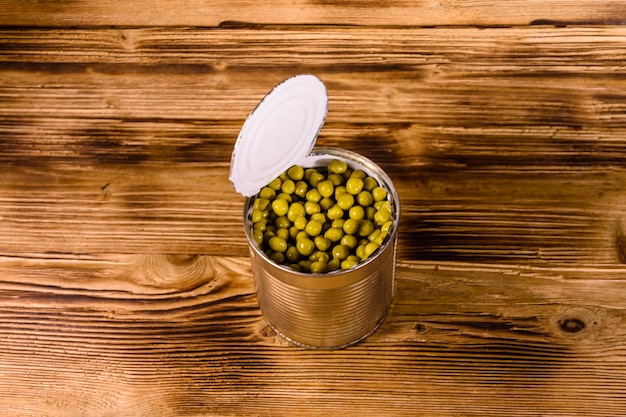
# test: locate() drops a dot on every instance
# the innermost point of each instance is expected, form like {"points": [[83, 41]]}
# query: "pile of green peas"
{"points": [[318, 220]]}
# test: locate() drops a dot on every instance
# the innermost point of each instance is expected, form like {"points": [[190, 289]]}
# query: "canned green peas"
{"points": [[319, 220]]}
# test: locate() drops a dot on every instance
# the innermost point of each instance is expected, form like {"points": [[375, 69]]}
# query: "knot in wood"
{"points": [[572, 325], [581, 323], [177, 272]]}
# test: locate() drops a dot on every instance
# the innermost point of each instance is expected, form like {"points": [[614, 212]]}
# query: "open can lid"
{"points": [[278, 133]]}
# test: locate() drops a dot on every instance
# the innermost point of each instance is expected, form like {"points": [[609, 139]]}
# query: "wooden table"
{"points": [[125, 285]]}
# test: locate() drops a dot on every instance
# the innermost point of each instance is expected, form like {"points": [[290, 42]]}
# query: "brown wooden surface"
{"points": [[306, 12], [125, 287]]}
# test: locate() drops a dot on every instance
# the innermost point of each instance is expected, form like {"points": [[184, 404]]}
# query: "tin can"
{"points": [[335, 309], [330, 310]]}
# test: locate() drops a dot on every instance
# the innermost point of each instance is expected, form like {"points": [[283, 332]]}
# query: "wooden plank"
{"points": [[60, 209], [118, 334], [392, 13], [506, 145], [125, 287]]}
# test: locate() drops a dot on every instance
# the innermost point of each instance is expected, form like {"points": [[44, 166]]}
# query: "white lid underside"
{"points": [[279, 133]]}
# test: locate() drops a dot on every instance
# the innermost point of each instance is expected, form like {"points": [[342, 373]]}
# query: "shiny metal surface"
{"points": [[331, 310]]}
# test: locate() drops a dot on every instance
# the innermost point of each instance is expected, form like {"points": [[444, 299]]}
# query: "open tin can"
{"points": [[315, 310]]}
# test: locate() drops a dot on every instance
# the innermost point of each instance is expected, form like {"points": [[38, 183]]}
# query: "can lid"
{"points": [[278, 133]]}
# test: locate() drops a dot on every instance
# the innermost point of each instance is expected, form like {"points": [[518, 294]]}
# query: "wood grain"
{"points": [[103, 336], [505, 144], [125, 286], [304, 12]]}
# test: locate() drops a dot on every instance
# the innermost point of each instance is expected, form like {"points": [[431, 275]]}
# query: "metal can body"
{"points": [[335, 309]]}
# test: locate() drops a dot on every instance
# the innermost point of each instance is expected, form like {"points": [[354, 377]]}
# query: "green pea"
{"points": [[320, 217], [278, 244], [311, 208], [379, 194], [321, 243], [267, 193], [282, 222], [301, 189], [295, 210], [267, 235], [336, 179], [275, 184], [370, 183], [300, 223], [340, 252], [356, 212], [374, 235], [305, 246], [364, 198], [315, 179], [284, 196], [326, 188], [339, 190], [313, 195], [358, 173], [280, 207], [308, 172], [333, 265], [257, 215], [313, 228], [257, 236], [337, 166], [304, 265], [335, 212], [348, 264], [333, 234], [270, 229], [354, 185], [379, 238], [288, 187], [371, 248], [338, 223], [319, 256], [360, 251], [326, 203], [382, 216], [349, 241], [278, 257], [260, 225], [366, 227], [296, 172], [261, 204], [351, 226], [345, 201], [315, 255], [292, 254], [283, 233], [318, 267], [383, 204]]}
